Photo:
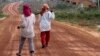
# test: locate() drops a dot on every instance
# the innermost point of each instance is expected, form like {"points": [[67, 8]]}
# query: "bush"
{"points": [[64, 5], [2, 15], [70, 13], [87, 18], [61, 6]]}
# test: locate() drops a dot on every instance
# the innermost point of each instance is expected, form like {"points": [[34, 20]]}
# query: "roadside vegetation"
{"points": [[65, 12], [2, 15], [2, 4], [88, 17]]}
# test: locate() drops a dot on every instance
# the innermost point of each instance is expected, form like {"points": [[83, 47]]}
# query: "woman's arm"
{"points": [[51, 16], [34, 19], [38, 17], [21, 23]]}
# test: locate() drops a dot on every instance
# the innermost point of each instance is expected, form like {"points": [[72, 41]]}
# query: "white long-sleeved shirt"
{"points": [[28, 23], [45, 21]]}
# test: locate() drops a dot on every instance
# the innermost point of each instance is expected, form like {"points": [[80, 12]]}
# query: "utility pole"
{"points": [[98, 3]]}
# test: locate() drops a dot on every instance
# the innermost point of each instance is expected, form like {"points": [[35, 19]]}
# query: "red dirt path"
{"points": [[65, 40]]}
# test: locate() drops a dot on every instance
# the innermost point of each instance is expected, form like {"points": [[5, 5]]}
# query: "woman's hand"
{"points": [[18, 27]]}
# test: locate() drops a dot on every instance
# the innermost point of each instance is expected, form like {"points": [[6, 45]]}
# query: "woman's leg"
{"points": [[21, 43], [43, 36], [47, 37], [31, 44]]}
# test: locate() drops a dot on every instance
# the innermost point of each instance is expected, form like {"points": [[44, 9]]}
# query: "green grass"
{"points": [[80, 19], [87, 17], [2, 15]]}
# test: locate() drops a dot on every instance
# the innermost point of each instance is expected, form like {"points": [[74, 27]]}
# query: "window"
{"points": [[74, 3], [68, 1]]}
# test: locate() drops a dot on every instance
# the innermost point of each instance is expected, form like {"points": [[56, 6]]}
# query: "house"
{"points": [[86, 3]]}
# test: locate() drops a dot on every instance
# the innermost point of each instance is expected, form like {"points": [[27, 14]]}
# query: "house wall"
{"points": [[86, 3]]}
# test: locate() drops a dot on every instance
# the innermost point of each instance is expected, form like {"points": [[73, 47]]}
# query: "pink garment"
{"points": [[26, 10]]}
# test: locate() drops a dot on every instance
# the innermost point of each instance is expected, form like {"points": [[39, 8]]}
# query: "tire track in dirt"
{"points": [[10, 10], [7, 28]]}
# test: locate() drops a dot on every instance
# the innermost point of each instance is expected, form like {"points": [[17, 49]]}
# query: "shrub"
{"points": [[2, 15], [61, 6]]}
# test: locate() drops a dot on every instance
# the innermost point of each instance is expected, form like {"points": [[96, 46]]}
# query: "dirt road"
{"points": [[65, 40]]}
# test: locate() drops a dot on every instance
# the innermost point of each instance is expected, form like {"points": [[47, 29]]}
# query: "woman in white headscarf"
{"points": [[45, 25]]}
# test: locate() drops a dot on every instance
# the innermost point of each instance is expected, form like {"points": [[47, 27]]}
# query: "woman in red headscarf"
{"points": [[27, 29], [45, 25]]}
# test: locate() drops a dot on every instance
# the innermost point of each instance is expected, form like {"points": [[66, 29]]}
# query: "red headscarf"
{"points": [[26, 10]]}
